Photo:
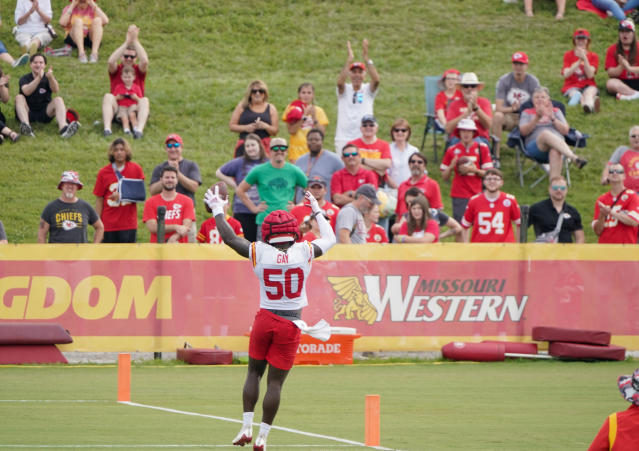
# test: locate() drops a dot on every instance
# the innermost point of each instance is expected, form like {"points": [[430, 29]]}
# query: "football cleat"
{"points": [[244, 436], [260, 443]]}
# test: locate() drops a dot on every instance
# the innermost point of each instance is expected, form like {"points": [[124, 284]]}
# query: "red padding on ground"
{"points": [[200, 356], [589, 352], [477, 352], [19, 333], [18, 354], [593, 337], [516, 347]]}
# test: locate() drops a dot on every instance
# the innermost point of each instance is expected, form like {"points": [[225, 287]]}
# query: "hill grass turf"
{"points": [[204, 53], [516, 405]]}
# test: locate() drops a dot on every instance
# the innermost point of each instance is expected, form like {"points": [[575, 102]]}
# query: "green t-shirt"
{"points": [[276, 186]]}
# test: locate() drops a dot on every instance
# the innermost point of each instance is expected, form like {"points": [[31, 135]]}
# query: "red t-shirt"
{"points": [[428, 186], [611, 61], [627, 436], [630, 162], [208, 230], [376, 234], [116, 78], [117, 216], [466, 186], [431, 227], [301, 211], [127, 101], [442, 101], [459, 107], [578, 79], [375, 151], [177, 210], [615, 231], [491, 220], [343, 180]]}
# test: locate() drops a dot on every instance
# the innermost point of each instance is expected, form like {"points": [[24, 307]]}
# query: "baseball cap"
{"points": [[446, 73], [70, 177], [520, 57], [626, 25], [315, 180], [368, 190], [581, 33], [368, 118], [357, 65], [175, 137], [278, 142]]}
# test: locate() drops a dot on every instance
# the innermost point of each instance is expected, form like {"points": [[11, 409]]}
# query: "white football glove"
{"points": [[312, 202], [214, 201]]}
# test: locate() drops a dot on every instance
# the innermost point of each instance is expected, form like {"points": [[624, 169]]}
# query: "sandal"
{"points": [[13, 136], [580, 162]]}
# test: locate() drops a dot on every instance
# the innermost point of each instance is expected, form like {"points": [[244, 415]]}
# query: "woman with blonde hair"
{"points": [[401, 150], [253, 114]]}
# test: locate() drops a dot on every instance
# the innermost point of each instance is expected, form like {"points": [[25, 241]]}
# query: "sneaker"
{"points": [[24, 59], [93, 58], [83, 58], [244, 436], [137, 134], [25, 129], [260, 443], [127, 132], [69, 130], [588, 109], [107, 133]]}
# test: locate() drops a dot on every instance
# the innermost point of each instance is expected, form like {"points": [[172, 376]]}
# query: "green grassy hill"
{"points": [[204, 53]]}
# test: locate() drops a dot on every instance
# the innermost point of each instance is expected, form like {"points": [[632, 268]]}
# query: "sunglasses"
{"points": [[351, 154], [403, 130], [279, 148], [468, 86], [316, 186], [369, 124], [128, 56], [634, 136], [615, 171], [558, 187], [171, 145], [416, 161], [255, 91]]}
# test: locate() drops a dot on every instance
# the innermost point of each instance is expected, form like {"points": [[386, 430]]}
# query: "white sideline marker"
{"points": [[232, 420]]}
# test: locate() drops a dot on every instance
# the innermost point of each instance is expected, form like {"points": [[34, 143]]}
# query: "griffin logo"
{"points": [[352, 302]]}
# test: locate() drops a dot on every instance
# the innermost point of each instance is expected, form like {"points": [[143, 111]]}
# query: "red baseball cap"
{"points": [[174, 137], [520, 57], [358, 65], [581, 33]]}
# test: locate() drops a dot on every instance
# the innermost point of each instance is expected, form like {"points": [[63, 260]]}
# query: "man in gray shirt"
{"points": [[318, 162], [350, 226], [512, 90]]}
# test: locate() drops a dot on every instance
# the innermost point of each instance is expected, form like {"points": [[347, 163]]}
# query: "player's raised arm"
{"points": [[327, 237], [216, 203]]}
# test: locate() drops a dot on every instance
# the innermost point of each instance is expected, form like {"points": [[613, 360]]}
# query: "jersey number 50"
{"points": [[280, 290]]}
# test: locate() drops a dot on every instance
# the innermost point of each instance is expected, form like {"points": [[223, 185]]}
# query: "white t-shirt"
{"points": [[34, 23], [282, 275], [351, 106]]}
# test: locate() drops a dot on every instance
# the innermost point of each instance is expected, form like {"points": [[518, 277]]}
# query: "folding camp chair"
{"points": [[431, 89], [574, 138]]}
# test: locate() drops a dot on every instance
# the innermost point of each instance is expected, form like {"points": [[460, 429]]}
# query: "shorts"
{"points": [[87, 42], [3, 49], [631, 83], [44, 37], [38, 116], [274, 339], [572, 90], [124, 111], [459, 207], [120, 236], [531, 150]]}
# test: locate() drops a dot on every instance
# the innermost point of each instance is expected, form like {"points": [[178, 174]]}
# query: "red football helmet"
{"points": [[280, 226]]}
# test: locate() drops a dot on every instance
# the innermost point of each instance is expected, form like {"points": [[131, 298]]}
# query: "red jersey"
{"points": [[466, 186], [431, 227], [177, 210], [375, 151], [459, 107], [578, 79], [301, 211], [117, 215], [127, 101], [611, 61], [428, 186], [442, 101], [627, 432], [376, 234], [615, 231], [208, 231], [116, 78], [492, 220], [343, 180], [630, 162]]}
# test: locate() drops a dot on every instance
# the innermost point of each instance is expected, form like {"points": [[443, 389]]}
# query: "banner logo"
{"points": [[352, 302]]}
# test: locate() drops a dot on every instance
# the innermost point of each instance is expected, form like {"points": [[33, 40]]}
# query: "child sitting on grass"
{"points": [[128, 95]]}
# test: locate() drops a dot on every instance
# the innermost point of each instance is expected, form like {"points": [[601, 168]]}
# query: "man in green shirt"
{"points": [[275, 181]]}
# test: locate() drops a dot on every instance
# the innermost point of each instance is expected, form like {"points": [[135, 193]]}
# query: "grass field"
{"points": [[518, 405], [203, 54]]}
